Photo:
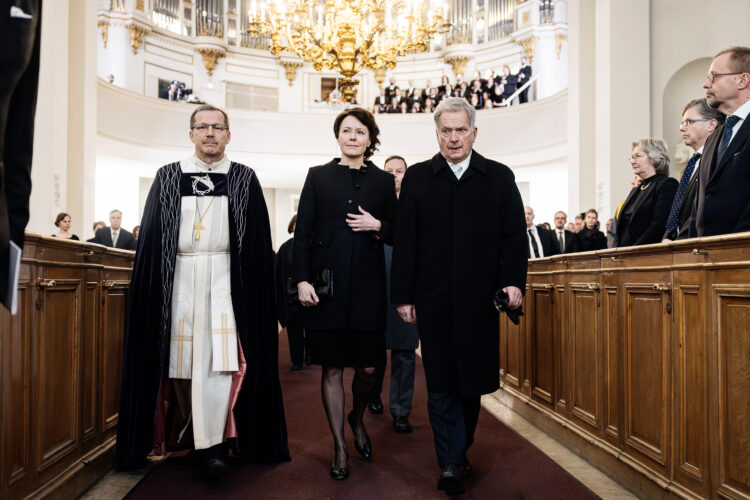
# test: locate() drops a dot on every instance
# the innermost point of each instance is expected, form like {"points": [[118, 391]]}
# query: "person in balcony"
{"points": [[62, 221], [381, 103], [346, 214], [523, 76], [642, 219], [590, 237], [508, 81]]}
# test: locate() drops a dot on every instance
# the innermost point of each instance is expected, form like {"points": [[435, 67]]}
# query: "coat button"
{"points": [[349, 202], [708, 196]]}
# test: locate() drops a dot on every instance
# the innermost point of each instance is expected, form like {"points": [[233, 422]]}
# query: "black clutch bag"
{"points": [[322, 283], [501, 304]]}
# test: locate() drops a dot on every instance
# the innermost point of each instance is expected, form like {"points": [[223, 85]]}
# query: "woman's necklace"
{"points": [[200, 227], [644, 187]]}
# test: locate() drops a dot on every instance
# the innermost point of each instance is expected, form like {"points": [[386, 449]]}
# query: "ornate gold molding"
{"points": [[136, 36], [210, 58], [458, 63], [139, 5], [558, 43], [291, 70], [104, 25], [380, 75], [528, 45]]}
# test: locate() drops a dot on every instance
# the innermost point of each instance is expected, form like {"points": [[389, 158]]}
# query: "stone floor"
{"points": [[117, 484]]}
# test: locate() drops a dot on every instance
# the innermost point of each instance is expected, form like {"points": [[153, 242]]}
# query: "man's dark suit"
{"points": [[125, 239], [550, 246], [723, 202], [684, 216], [570, 239], [526, 72], [19, 75]]}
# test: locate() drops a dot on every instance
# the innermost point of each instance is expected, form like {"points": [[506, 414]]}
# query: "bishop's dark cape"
{"points": [[259, 411]]}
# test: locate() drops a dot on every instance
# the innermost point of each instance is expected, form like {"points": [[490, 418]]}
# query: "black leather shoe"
{"points": [[450, 481], [296, 367], [466, 469], [364, 449], [215, 470], [402, 425], [375, 406], [308, 360]]}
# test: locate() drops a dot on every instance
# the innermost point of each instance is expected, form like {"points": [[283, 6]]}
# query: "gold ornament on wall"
{"points": [[139, 5], [136, 36], [347, 36], [559, 42], [528, 47], [458, 63], [291, 68], [210, 58], [104, 25]]}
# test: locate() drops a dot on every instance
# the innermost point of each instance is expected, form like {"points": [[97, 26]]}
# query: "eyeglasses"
{"points": [[712, 76], [636, 156], [217, 127], [688, 122]]}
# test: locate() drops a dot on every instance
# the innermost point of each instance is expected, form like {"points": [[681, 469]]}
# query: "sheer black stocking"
{"points": [[332, 388], [362, 384]]}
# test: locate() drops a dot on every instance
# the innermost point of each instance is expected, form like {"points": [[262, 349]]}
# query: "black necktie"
{"points": [[533, 244], [562, 241], [726, 137], [672, 221]]}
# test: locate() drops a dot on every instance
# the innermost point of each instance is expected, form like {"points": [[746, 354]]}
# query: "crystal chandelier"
{"points": [[348, 36]]}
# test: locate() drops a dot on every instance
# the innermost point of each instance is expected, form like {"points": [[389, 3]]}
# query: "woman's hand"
{"points": [[363, 222], [307, 295]]}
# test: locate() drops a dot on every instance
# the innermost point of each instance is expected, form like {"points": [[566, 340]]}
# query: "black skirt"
{"points": [[348, 348]]}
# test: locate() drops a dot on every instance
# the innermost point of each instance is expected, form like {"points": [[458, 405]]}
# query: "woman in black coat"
{"points": [[288, 317], [590, 238], [643, 217], [346, 213]]}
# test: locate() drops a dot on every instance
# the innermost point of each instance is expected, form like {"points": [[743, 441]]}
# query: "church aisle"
{"points": [[403, 466]]}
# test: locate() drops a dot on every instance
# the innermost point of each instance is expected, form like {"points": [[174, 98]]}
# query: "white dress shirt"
{"points": [[741, 113], [460, 168], [535, 235]]}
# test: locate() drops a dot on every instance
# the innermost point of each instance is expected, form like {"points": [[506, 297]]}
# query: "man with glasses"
{"points": [[723, 202], [460, 238], [201, 345], [565, 238], [699, 120]]}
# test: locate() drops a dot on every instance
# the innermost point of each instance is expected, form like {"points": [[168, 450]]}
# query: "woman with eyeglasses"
{"points": [[642, 218], [346, 213]]}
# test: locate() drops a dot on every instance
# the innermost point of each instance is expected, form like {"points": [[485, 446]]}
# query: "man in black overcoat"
{"points": [[114, 235], [723, 202], [460, 237]]}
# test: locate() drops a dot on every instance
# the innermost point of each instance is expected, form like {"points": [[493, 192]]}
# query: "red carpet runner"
{"points": [[403, 466]]}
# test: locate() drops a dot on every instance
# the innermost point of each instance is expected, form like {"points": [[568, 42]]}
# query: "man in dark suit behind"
{"points": [[699, 120], [541, 242], [565, 239], [723, 202], [114, 235], [523, 76], [460, 237]]}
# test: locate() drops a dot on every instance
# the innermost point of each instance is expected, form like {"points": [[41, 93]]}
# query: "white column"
{"points": [[65, 124]]}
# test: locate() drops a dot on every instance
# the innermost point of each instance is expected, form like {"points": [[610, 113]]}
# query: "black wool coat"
{"points": [[650, 211], [322, 239], [457, 242]]}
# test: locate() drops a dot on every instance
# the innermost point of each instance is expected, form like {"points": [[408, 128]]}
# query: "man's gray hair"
{"points": [[656, 150], [705, 110], [453, 104], [115, 211]]}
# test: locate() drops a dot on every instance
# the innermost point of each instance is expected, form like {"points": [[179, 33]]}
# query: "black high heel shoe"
{"points": [[342, 473], [364, 449]]}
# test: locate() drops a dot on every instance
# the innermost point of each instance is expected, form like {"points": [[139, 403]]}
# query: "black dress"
{"points": [[643, 217], [590, 239], [73, 237], [346, 330]]}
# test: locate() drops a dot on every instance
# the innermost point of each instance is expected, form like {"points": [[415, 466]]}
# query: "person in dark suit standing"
{"points": [[400, 338], [642, 218], [20, 33], [565, 238], [114, 235], [459, 239], [723, 202], [699, 120], [590, 237], [95, 227], [287, 317], [541, 242], [346, 214], [523, 76]]}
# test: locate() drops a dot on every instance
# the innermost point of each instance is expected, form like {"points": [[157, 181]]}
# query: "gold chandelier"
{"points": [[348, 36]]}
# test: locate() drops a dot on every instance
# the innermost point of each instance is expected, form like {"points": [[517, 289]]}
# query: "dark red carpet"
{"points": [[403, 465]]}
